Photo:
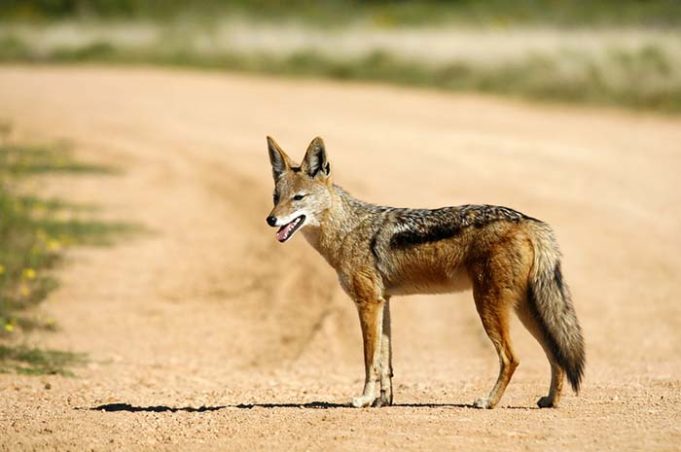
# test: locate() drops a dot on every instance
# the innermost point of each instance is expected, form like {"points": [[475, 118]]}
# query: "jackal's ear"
{"points": [[278, 158], [315, 161]]}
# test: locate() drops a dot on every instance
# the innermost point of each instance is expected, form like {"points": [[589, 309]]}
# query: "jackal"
{"points": [[510, 260]]}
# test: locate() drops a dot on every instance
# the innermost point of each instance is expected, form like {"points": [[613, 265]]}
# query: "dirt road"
{"points": [[209, 333]]}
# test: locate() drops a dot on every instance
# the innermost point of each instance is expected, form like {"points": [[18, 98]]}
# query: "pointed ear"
{"points": [[278, 158], [315, 161]]}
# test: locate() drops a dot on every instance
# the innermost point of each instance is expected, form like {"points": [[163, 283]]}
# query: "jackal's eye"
{"points": [[298, 197], [275, 198]]}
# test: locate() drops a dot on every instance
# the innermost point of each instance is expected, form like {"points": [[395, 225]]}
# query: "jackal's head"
{"points": [[301, 192]]}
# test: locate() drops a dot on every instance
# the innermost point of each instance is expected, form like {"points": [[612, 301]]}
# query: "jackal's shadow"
{"points": [[126, 407]]}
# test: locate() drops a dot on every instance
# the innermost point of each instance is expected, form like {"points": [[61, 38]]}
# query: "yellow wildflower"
{"points": [[28, 273], [53, 245], [9, 327], [24, 290], [2, 269]]}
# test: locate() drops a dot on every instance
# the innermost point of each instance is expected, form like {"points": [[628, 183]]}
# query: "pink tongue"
{"points": [[282, 233]]}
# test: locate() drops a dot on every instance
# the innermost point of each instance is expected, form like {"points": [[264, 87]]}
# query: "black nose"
{"points": [[271, 220]]}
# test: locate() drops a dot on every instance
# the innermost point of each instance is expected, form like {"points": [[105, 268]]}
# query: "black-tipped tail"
{"points": [[550, 303], [563, 337]]}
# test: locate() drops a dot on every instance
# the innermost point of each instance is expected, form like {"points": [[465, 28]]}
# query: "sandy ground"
{"points": [[207, 333]]}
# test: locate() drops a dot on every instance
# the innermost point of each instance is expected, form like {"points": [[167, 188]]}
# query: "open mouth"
{"points": [[286, 232]]}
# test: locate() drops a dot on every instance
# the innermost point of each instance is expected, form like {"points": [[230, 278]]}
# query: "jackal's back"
{"points": [[425, 250]]}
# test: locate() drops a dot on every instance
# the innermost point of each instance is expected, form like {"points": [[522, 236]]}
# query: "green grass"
{"points": [[381, 12], [34, 232], [36, 159], [36, 361]]}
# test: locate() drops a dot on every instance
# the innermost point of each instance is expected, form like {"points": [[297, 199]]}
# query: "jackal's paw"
{"points": [[483, 403], [546, 402], [385, 399], [363, 401]]}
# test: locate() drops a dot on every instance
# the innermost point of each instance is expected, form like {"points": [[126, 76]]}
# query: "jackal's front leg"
{"points": [[386, 361], [371, 321]]}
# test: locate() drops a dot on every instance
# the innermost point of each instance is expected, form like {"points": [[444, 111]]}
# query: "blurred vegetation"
{"points": [[34, 232], [642, 71], [645, 78], [383, 12], [35, 361]]}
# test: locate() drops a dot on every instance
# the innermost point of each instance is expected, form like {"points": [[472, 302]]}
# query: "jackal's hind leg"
{"points": [[371, 321], [553, 399], [494, 315], [557, 374], [386, 364]]}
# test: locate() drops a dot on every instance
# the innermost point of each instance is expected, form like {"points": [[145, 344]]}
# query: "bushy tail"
{"points": [[550, 303]]}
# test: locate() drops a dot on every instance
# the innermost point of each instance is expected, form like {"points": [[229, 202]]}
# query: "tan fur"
{"points": [[378, 252]]}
